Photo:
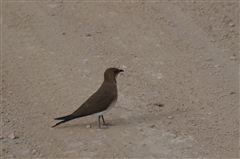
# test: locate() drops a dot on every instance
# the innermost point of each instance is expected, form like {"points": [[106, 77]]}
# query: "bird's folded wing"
{"points": [[96, 103]]}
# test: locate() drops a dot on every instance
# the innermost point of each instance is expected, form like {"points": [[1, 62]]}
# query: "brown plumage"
{"points": [[100, 102]]}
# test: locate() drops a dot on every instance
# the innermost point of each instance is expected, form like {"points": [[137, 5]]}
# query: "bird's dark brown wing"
{"points": [[98, 102]]}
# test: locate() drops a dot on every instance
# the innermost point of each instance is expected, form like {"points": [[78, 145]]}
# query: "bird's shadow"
{"points": [[137, 119]]}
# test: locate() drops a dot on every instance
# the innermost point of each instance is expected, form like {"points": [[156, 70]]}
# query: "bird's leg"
{"points": [[103, 120], [99, 122], [106, 124]]}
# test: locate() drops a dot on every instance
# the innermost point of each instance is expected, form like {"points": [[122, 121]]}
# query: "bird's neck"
{"points": [[111, 84]]}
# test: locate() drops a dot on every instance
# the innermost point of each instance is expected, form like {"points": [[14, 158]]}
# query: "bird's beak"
{"points": [[120, 71]]}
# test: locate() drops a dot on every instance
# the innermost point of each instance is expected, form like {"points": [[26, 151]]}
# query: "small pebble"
{"points": [[232, 92], [159, 104], [231, 24], [34, 151], [88, 126], [152, 126], [170, 117], [12, 136], [233, 58]]}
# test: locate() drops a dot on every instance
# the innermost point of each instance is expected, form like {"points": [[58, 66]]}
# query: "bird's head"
{"points": [[110, 74]]}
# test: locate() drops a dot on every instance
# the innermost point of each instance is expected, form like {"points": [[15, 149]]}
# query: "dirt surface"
{"points": [[178, 96]]}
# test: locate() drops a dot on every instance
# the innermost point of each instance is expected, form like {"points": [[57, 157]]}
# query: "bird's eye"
{"points": [[115, 72]]}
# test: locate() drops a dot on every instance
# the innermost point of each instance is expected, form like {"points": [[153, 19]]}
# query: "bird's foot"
{"points": [[107, 124], [103, 127]]}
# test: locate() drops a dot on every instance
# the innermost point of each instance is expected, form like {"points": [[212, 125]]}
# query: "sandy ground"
{"points": [[178, 96]]}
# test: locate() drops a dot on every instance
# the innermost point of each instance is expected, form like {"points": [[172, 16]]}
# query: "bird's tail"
{"points": [[65, 119]]}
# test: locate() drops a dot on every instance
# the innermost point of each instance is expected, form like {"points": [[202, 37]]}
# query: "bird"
{"points": [[100, 102]]}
